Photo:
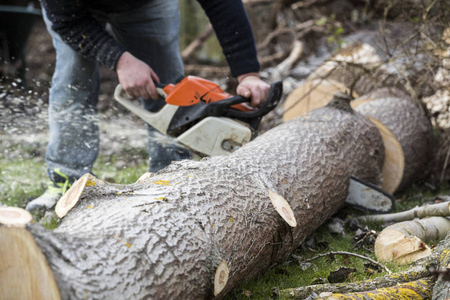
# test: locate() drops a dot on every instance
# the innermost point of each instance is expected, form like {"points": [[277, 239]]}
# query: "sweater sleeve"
{"points": [[234, 32], [76, 26]]}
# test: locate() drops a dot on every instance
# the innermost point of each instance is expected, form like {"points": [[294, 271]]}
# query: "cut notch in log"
{"points": [[72, 196], [283, 208], [14, 217], [221, 277]]}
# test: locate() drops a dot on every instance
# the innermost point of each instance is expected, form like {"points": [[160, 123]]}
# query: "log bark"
{"points": [[197, 229]]}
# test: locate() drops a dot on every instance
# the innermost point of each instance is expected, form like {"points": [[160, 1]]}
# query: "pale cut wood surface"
{"points": [[405, 242], [24, 273]]}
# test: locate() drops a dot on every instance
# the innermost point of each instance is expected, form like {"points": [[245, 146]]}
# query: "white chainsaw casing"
{"points": [[216, 136]]}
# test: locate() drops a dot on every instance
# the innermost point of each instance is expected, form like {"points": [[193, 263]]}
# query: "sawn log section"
{"points": [[165, 236]]}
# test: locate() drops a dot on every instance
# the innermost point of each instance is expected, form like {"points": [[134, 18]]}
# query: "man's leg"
{"points": [[151, 33], [73, 121]]}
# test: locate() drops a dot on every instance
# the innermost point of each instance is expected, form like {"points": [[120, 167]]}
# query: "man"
{"points": [[143, 49]]}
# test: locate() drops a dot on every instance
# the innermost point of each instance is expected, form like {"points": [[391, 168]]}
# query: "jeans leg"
{"points": [[73, 120], [151, 33]]}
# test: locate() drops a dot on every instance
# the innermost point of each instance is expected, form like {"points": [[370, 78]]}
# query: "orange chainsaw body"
{"points": [[192, 90]]}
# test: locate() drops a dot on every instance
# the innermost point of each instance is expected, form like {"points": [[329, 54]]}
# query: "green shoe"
{"points": [[48, 199]]}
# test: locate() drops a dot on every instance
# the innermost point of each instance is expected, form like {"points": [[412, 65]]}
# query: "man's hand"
{"points": [[251, 86], [136, 77]]}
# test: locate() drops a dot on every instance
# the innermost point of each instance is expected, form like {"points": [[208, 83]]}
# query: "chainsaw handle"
{"points": [[274, 97], [121, 93]]}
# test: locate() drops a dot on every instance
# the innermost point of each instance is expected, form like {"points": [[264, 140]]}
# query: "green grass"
{"points": [[24, 179]]}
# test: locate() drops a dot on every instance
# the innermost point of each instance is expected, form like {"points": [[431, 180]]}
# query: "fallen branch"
{"points": [[414, 273], [283, 68], [429, 210], [345, 253], [419, 289]]}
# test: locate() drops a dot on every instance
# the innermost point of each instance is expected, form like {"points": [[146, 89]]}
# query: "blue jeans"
{"points": [[149, 32]]}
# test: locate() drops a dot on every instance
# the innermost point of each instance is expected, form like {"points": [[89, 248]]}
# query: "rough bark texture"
{"points": [[164, 238], [414, 132]]}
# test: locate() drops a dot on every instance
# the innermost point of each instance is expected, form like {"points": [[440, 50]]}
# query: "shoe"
{"points": [[54, 192]]}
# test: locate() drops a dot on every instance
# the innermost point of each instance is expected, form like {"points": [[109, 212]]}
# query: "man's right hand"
{"points": [[136, 77]]}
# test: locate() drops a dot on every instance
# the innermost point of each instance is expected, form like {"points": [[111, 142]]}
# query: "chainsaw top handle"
{"points": [[274, 97]]}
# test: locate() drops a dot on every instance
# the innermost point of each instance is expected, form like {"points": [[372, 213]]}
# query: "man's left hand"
{"points": [[252, 86]]}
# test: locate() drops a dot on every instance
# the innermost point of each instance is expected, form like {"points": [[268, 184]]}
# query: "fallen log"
{"points": [[405, 242], [198, 229], [404, 153], [24, 273]]}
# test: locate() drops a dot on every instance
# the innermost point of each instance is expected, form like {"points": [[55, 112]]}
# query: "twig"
{"points": [[280, 71], [345, 253]]}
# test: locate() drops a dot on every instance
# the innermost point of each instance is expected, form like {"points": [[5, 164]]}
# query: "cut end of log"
{"points": [[393, 245], [283, 208], [310, 95], [71, 197], [221, 277], [24, 273], [14, 217], [394, 161]]}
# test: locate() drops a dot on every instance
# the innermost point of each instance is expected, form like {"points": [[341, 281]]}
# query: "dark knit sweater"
{"points": [[73, 22]]}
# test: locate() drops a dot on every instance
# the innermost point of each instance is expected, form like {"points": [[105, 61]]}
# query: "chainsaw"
{"points": [[201, 116]]}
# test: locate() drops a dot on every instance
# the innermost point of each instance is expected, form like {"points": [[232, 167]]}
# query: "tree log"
{"points": [[24, 273], [197, 229], [400, 167], [405, 242], [417, 150]]}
